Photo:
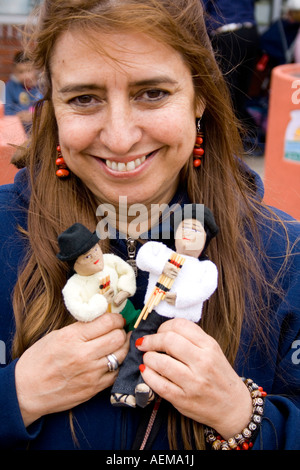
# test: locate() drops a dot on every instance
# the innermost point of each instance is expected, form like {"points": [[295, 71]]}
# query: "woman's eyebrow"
{"points": [[80, 87], [154, 81], [83, 87]]}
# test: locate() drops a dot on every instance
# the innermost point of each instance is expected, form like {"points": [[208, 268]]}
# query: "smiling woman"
{"points": [[126, 83]]}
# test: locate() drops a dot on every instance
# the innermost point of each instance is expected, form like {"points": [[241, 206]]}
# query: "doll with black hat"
{"points": [[100, 282]]}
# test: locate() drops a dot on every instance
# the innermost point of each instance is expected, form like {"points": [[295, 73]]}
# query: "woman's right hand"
{"points": [[69, 366]]}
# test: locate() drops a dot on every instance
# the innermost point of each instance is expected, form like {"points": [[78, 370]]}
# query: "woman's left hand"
{"points": [[187, 367]]}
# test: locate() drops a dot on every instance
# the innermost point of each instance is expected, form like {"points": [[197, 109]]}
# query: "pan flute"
{"points": [[162, 286], [103, 287]]}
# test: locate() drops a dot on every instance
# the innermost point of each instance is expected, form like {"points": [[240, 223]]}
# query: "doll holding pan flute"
{"points": [[99, 282], [178, 285]]}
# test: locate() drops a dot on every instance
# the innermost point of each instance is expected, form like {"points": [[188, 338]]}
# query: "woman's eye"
{"points": [[153, 95], [83, 100]]}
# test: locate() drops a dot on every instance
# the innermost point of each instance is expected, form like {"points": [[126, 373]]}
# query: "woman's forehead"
{"points": [[113, 44], [131, 56]]}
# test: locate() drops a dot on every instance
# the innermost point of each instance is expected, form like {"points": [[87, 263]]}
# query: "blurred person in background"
{"points": [[22, 90]]}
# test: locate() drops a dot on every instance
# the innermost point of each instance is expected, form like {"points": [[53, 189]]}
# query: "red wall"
{"points": [[10, 43]]}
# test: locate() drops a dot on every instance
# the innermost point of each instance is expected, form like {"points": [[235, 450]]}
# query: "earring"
{"points": [[198, 151], [62, 169]]}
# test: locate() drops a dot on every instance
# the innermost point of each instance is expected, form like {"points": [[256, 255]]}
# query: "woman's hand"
{"points": [[195, 376], [69, 366]]}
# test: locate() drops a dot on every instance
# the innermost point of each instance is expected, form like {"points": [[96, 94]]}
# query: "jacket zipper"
{"points": [[131, 254]]}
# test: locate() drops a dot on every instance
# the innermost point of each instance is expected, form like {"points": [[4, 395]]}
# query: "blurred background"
{"points": [[269, 97]]}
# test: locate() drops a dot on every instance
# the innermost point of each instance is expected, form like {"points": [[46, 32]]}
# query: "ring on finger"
{"points": [[112, 363]]}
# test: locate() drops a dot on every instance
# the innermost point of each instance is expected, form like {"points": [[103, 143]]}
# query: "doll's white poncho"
{"points": [[81, 293], [195, 283]]}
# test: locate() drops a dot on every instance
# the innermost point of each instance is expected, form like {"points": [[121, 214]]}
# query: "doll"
{"points": [[182, 281], [101, 282]]}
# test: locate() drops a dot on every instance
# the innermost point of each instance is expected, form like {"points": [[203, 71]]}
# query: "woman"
{"points": [[125, 83]]}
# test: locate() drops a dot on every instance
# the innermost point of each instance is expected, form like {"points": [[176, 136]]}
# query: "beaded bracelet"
{"points": [[243, 440]]}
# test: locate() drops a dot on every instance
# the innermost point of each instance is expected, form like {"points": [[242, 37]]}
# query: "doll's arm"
{"points": [[126, 277], [83, 310], [170, 270], [170, 298], [196, 287], [152, 257]]}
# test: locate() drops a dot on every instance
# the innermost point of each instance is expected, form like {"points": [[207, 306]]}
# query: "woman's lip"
{"points": [[124, 174]]}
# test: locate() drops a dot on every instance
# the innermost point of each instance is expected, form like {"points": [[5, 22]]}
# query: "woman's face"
{"points": [[126, 119]]}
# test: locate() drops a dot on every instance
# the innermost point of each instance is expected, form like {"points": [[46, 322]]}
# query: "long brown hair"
{"points": [[221, 184]]}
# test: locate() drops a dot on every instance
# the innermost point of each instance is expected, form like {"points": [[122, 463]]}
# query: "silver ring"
{"points": [[112, 362]]}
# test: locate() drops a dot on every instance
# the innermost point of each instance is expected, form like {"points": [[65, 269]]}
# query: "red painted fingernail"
{"points": [[139, 341], [124, 321], [142, 367]]}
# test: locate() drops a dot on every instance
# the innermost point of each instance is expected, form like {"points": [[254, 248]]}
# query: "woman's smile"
{"points": [[127, 167]]}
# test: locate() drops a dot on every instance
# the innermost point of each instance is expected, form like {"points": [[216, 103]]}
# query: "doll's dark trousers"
{"points": [[129, 374]]}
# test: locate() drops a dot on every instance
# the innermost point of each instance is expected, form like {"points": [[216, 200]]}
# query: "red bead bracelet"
{"points": [[243, 440]]}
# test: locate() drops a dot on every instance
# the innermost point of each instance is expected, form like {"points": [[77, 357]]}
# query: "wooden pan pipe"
{"points": [[162, 286], [103, 287]]}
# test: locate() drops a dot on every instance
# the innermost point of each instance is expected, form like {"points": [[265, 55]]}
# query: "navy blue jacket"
{"points": [[98, 425], [221, 12]]}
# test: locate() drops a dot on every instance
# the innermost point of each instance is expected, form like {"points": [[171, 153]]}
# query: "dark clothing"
{"points": [[222, 12], [237, 49], [98, 425], [129, 375], [237, 54]]}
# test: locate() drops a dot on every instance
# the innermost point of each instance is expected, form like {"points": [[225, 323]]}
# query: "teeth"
{"points": [[120, 166], [130, 166]]}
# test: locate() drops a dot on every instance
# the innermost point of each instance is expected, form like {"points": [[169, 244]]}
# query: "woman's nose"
{"points": [[121, 130]]}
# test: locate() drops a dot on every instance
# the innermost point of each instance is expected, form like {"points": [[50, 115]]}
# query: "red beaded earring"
{"points": [[198, 151], [62, 169]]}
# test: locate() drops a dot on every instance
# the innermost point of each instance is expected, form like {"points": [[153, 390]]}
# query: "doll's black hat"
{"points": [[198, 212], [75, 241]]}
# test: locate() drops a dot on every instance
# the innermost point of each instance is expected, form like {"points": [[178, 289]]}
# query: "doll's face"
{"points": [[90, 263], [190, 238]]}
